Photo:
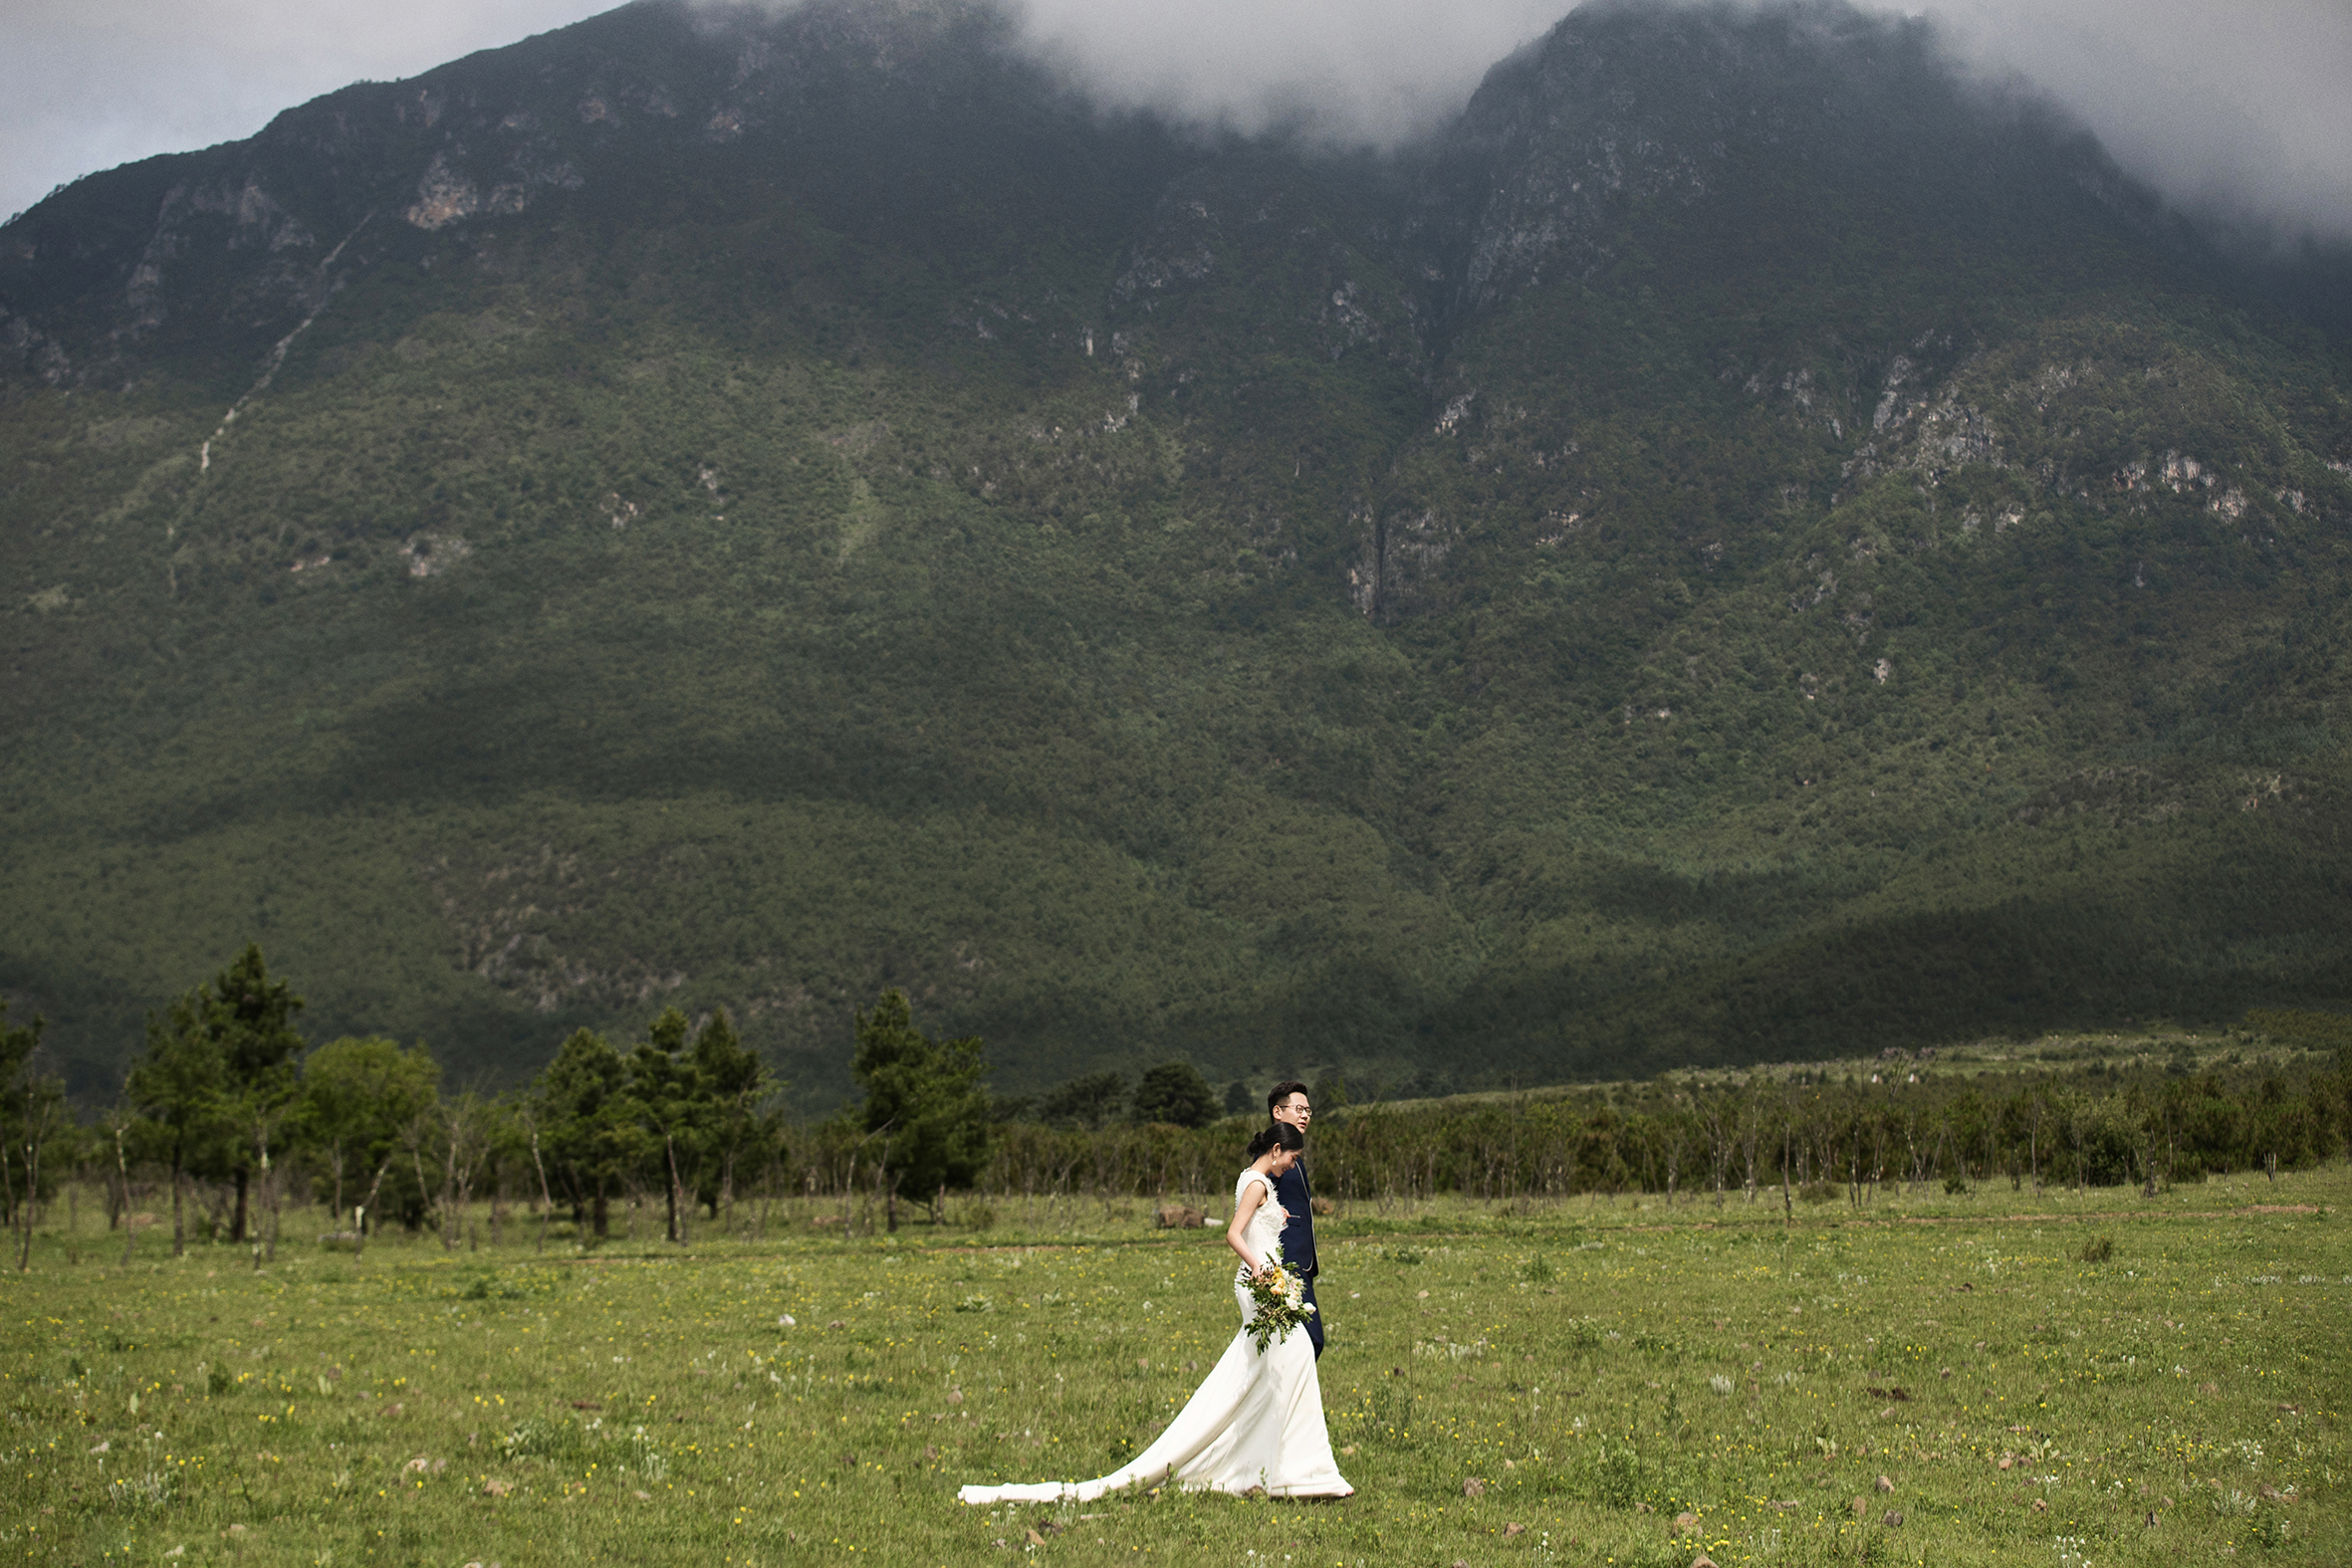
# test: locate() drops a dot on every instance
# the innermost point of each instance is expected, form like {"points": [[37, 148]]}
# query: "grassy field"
{"points": [[2074, 1381]]}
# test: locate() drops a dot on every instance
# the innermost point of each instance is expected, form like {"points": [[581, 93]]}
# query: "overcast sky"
{"points": [[2245, 105]]}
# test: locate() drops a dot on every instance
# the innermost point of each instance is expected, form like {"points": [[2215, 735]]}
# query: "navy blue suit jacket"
{"points": [[1298, 1200]]}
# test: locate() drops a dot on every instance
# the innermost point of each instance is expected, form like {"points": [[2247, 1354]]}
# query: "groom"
{"points": [[1289, 1103]]}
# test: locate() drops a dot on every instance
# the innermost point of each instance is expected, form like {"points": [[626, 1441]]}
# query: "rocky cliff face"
{"points": [[1630, 126], [881, 119]]}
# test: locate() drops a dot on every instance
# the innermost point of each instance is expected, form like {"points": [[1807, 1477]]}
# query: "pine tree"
{"points": [[734, 1081], [180, 1088], [1174, 1092], [669, 1101], [924, 1103], [580, 1109]]}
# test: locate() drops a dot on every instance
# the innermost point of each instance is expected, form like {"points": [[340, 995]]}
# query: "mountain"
{"points": [[1742, 546]]}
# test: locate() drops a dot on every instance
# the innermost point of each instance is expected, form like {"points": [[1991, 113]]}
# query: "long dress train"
{"points": [[1256, 1420]]}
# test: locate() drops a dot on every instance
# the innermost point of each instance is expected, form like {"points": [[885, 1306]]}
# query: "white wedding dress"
{"points": [[1258, 1420]]}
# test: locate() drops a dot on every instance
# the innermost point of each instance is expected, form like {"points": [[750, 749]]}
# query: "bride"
{"points": [[1258, 1420]]}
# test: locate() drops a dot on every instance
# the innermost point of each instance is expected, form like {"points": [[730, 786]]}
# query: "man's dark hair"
{"points": [[1282, 1091]]}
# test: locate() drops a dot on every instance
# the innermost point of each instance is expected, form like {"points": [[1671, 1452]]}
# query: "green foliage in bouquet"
{"points": [[1278, 1303]]}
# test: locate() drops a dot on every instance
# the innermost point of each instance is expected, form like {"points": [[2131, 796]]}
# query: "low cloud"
{"points": [[2237, 107], [1376, 72], [2242, 112]]}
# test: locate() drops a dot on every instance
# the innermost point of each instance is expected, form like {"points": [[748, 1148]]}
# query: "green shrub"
{"points": [[1616, 1474], [556, 1441]]}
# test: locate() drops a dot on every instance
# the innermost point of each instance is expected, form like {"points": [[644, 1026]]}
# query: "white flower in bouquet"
{"points": [[1278, 1301]]}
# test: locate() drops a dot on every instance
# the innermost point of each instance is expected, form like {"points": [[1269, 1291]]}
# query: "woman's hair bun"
{"points": [[1278, 1135]]}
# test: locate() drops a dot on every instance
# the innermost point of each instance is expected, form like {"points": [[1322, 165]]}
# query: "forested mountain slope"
{"points": [[1741, 546]]}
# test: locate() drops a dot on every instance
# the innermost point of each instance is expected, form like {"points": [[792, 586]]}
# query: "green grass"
{"points": [[1603, 1368]]}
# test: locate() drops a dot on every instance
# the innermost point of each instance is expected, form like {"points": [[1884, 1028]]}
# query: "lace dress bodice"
{"points": [[1264, 1234]]}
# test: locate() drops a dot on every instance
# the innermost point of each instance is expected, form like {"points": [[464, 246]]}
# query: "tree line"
{"points": [[1802, 1136], [230, 1112]]}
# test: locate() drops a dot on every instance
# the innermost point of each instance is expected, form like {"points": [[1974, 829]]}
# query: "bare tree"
{"points": [[1711, 1116], [1750, 1127], [33, 1106], [118, 1124], [466, 1128]]}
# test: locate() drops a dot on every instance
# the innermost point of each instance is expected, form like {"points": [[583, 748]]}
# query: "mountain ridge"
{"points": [[1163, 594]]}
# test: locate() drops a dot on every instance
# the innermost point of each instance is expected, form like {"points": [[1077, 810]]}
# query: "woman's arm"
{"points": [[1245, 1206]]}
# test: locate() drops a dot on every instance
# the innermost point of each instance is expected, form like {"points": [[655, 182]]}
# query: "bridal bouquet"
{"points": [[1278, 1298]]}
